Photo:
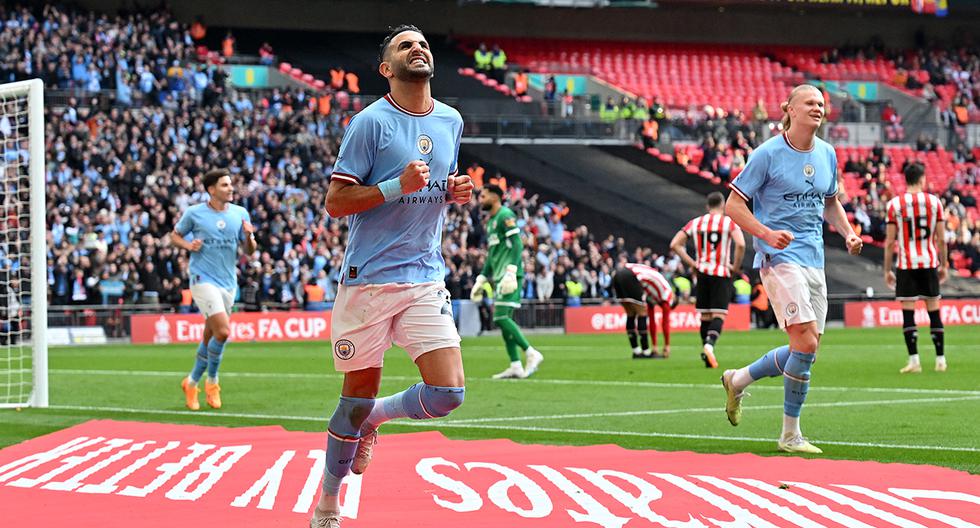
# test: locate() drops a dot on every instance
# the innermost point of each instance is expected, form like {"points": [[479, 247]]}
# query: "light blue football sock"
{"points": [[796, 382], [419, 402], [343, 434], [771, 364], [215, 349], [200, 363]]}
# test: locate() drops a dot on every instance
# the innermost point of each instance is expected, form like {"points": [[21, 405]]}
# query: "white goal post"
{"points": [[23, 255]]}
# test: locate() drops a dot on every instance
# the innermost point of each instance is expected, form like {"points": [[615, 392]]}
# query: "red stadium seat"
{"points": [[730, 77]]}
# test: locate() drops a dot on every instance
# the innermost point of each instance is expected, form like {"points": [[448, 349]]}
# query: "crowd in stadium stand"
{"points": [[120, 175], [953, 71], [138, 55], [725, 142], [560, 263], [119, 187]]}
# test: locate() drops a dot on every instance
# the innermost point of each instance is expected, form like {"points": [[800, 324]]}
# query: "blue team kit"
{"points": [[788, 187], [220, 232], [398, 241]]}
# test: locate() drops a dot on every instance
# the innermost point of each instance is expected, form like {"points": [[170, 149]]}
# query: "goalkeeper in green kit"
{"points": [[504, 270]]}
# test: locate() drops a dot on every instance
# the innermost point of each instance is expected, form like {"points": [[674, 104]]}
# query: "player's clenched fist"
{"points": [[854, 244], [460, 189], [778, 239], [196, 245], [414, 177]]}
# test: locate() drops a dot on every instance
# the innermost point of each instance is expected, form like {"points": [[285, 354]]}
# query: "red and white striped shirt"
{"points": [[657, 288], [712, 235], [915, 216]]}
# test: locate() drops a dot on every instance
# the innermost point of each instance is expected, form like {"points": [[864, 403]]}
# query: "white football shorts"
{"points": [[368, 318], [211, 300], [798, 294]]}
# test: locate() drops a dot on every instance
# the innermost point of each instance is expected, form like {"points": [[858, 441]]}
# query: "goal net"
{"points": [[23, 275]]}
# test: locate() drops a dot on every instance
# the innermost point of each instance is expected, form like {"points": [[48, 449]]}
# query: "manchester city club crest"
{"points": [[424, 144], [808, 170], [221, 224], [344, 349]]}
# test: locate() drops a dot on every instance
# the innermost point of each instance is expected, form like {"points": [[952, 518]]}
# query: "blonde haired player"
{"points": [[792, 181]]}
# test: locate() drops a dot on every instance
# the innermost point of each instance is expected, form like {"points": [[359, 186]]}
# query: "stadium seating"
{"points": [[881, 69], [730, 77], [808, 60]]}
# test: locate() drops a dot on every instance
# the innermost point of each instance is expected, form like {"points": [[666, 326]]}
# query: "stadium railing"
{"points": [[526, 127]]}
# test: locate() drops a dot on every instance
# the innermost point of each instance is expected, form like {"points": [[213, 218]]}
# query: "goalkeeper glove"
{"points": [[508, 284], [476, 294]]}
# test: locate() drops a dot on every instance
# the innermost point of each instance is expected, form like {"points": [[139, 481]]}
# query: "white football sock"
{"points": [[741, 379], [791, 426]]}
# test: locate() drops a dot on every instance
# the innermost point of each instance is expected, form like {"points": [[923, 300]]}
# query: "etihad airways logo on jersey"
{"points": [[805, 199], [434, 192], [220, 242]]}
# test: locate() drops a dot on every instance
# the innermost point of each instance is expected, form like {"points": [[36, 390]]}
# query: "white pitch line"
{"points": [[535, 381], [705, 410], [438, 425]]}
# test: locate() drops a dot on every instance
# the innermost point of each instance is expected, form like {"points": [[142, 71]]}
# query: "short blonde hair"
{"points": [[784, 106]]}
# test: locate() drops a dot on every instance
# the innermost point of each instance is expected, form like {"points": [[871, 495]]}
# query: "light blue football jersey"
{"points": [[400, 240], [221, 231], [788, 188]]}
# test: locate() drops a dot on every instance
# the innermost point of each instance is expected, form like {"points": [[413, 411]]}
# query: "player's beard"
{"points": [[409, 73], [486, 206]]}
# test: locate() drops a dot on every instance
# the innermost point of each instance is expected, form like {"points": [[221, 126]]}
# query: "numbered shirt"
{"points": [[788, 188], [915, 216], [398, 241], [712, 236], [220, 232]]}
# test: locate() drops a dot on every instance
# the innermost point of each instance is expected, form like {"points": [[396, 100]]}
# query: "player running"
{"points": [[639, 289], [792, 182], [394, 176], [216, 229], [504, 269], [713, 234], [916, 220]]}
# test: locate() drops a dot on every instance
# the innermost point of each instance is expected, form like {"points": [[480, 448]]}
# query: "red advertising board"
{"points": [[245, 326], [114, 474], [612, 319], [870, 314]]}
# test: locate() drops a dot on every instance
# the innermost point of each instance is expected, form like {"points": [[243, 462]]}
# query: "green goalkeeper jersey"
{"points": [[504, 245]]}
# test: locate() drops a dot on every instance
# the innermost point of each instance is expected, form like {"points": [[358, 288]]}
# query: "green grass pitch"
{"points": [[588, 391]]}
